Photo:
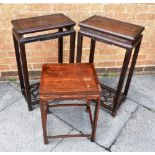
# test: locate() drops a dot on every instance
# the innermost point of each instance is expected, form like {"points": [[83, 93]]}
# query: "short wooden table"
{"points": [[69, 82], [118, 33], [60, 22]]}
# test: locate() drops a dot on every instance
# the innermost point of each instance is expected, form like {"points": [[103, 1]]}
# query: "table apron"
{"points": [[46, 36]]}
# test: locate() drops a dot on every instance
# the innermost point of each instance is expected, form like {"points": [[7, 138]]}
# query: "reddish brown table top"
{"points": [[41, 23], [59, 81], [113, 27]]}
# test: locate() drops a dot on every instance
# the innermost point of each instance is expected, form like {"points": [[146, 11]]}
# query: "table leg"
{"points": [[96, 114], [44, 120], [19, 65], [88, 110], [60, 47], [25, 75], [79, 48], [87, 106], [133, 63], [92, 50], [72, 47], [121, 81], [47, 108]]}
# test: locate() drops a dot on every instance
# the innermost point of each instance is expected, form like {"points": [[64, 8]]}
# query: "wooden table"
{"points": [[118, 33], [63, 24], [69, 82]]}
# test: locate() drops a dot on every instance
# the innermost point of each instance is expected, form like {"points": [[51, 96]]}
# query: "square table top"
{"points": [[60, 81], [113, 27], [41, 23]]}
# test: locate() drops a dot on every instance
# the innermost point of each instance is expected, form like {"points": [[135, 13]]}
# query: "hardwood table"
{"points": [[60, 22], [69, 82], [118, 33]]}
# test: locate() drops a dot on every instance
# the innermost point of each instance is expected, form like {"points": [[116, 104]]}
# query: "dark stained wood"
{"points": [[121, 80], [25, 75], [72, 47], [60, 47], [113, 27], [133, 63], [69, 81], [118, 33], [19, 65], [46, 36], [108, 39], [41, 23], [64, 27], [92, 50], [79, 48]]}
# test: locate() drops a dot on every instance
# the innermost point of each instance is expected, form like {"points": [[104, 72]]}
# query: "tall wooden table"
{"points": [[118, 33], [63, 24]]}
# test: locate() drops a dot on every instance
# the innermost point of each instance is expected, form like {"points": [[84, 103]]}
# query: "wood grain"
{"points": [[41, 23], [113, 27]]}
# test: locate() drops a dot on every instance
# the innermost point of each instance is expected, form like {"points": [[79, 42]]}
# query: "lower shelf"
{"points": [[34, 89], [107, 97]]}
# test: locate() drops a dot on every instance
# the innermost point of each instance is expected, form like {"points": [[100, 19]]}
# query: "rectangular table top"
{"points": [[41, 23], [113, 27], [68, 80]]}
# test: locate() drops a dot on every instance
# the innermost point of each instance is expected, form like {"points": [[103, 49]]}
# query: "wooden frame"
{"points": [[69, 82], [103, 29], [65, 27]]}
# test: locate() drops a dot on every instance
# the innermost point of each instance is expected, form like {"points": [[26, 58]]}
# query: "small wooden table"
{"points": [[69, 81], [118, 33], [60, 22]]}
